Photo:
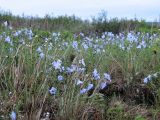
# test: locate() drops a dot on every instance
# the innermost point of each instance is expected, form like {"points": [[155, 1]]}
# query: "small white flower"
{"points": [[82, 62], [10, 93], [155, 74], [5, 23]]}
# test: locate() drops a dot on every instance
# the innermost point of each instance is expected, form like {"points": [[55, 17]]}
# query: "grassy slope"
{"points": [[25, 78]]}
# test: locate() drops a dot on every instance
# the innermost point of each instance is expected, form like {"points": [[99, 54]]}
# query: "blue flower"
{"points": [[53, 91], [103, 36], [13, 115], [107, 76], [30, 34], [57, 64], [143, 43], [90, 86], [80, 70], [60, 78], [103, 85], [41, 55], [147, 79], [39, 49], [95, 74], [15, 34], [8, 40], [81, 34], [75, 44], [62, 69], [83, 91], [131, 37], [71, 69], [85, 46]]}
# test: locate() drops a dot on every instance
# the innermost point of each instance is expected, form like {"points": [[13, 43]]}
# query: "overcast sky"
{"points": [[146, 9]]}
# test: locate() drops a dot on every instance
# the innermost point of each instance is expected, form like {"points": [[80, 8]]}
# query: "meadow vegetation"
{"points": [[65, 68]]}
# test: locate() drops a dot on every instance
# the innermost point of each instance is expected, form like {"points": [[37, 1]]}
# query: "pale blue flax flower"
{"points": [[8, 40], [57, 64], [13, 115], [60, 78], [83, 91], [75, 44], [41, 55], [90, 86], [53, 90], [39, 50], [103, 85], [95, 74], [107, 76]]}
